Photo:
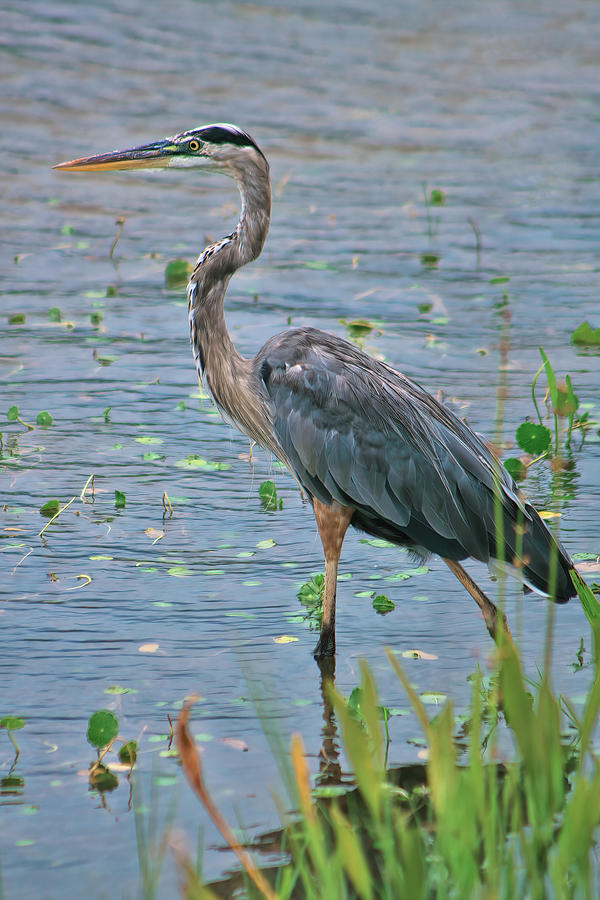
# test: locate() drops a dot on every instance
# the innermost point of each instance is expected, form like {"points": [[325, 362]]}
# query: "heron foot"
{"points": [[325, 646]]}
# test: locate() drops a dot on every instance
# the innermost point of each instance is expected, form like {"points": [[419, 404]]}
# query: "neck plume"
{"points": [[228, 374]]}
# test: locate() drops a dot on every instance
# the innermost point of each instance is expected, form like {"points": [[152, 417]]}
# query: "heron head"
{"points": [[219, 147]]}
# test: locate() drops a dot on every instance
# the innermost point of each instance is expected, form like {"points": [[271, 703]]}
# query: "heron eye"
{"points": [[194, 145]]}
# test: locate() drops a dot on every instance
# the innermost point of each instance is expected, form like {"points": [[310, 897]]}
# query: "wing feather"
{"points": [[362, 434]]}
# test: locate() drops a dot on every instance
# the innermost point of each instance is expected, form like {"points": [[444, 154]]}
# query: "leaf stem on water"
{"points": [[56, 515]]}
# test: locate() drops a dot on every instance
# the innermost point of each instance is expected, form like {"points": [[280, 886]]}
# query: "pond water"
{"points": [[493, 103]]}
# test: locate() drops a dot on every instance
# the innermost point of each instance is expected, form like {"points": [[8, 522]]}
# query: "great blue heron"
{"points": [[370, 447]]}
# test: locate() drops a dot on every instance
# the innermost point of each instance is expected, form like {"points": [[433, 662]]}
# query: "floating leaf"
{"points": [[44, 418], [418, 654], [268, 495], [193, 461], [359, 328], [103, 727], [177, 273], [586, 335], [55, 314], [128, 753], [147, 648], [318, 264], [430, 260], [383, 604], [433, 697], [376, 542], [180, 571], [437, 197], [120, 499], [67, 229], [107, 359], [149, 440], [266, 544], [17, 319], [102, 779], [285, 639], [515, 468], [96, 318], [500, 279], [13, 414], [119, 689], [12, 723], [151, 456], [50, 508], [533, 438]]}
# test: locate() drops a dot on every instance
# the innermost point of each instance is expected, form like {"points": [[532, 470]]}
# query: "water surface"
{"points": [[494, 103]]}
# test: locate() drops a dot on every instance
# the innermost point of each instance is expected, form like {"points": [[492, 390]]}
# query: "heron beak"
{"points": [[149, 156]]}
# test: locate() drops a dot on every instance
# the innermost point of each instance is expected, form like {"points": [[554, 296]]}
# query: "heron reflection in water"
{"points": [[370, 447]]}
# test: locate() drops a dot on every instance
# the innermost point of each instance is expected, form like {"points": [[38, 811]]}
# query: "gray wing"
{"points": [[356, 431]]}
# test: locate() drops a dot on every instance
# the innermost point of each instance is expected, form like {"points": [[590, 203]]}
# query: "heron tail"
{"points": [[545, 564]]}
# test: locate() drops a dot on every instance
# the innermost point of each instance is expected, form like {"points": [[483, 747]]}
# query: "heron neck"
{"points": [[217, 358]]}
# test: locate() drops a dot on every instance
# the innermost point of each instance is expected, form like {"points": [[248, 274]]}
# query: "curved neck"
{"points": [[226, 371]]}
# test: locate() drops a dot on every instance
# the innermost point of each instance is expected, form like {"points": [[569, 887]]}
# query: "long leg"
{"points": [[492, 615], [332, 522]]}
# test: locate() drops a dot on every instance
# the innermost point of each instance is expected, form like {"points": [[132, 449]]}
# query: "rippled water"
{"points": [[494, 103]]}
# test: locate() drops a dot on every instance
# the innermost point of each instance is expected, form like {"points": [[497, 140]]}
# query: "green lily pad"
{"points": [[50, 508], [103, 779], [268, 496], [177, 273], [383, 605], [44, 418], [12, 723], [533, 438], [515, 468], [128, 753], [179, 571], [103, 727], [586, 335]]}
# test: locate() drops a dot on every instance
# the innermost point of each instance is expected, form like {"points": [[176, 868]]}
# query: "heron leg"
{"points": [[492, 615], [332, 522]]}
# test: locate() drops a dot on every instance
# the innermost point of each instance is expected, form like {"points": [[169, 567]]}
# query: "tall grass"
{"points": [[483, 827]]}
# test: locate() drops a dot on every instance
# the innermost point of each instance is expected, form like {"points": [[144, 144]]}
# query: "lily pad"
{"points": [[103, 727], [12, 723], [383, 605], [128, 753], [50, 508], [533, 438], [177, 273], [586, 335], [515, 468]]}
